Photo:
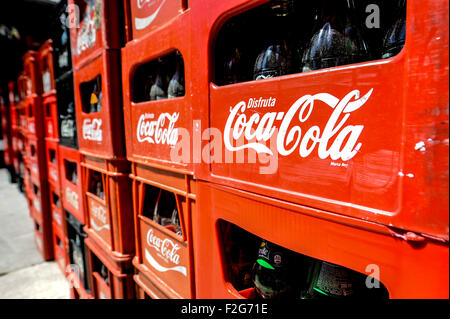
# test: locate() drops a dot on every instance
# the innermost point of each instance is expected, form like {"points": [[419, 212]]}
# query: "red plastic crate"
{"points": [[60, 248], [341, 240], [387, 177], [109, 219], [120, 283], [43, 237], [39, 196], [145, 122], [50, 107], [100, 134], [171, 274], [52, 156], [46, 68], [71, 192], [100, 27], [141, 17], [32, 80]]}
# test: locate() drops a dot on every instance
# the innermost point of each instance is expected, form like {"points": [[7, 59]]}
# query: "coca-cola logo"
{"points": [[151, 9], [72, 198], [92, 130], [165, 249], [99, 212], [87, 35], [154, 131], [262, 128]]}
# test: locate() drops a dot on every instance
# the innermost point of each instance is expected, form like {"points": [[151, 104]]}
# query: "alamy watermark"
{"points": [[373, 278], [374, 17]]}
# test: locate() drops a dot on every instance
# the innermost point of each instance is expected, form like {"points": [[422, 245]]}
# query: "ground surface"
{"points": [[23, 272]]}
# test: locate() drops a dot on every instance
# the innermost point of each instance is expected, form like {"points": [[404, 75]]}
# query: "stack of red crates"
{"points": [[171, 197], [164, 259], [51, 134], [13, 98], [21, 162], [106, 189], [21, 136], [37, 185], [383, 209], [5, 112], [64, 160]]}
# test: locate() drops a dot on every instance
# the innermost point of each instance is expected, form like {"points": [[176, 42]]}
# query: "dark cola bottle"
{"points": [[232, 59], [329, 281], [165, 205], [277, 56], [337, 38], [273, 272], [176, 84], [158, 90], [394, 40], [232, 72], [240, 256]]}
